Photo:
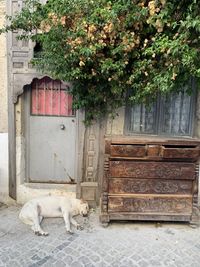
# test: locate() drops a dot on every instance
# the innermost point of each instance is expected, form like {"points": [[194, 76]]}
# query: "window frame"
{"points": [[159, 116]]}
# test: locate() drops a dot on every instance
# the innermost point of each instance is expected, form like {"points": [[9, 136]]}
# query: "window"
{"points": [[169, 116], [51, 98]]}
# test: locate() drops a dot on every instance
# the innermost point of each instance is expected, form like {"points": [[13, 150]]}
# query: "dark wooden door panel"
{"points": [[152, 170], [147, 186], [156, 204]]}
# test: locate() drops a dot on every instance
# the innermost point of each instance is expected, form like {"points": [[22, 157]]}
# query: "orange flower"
{"points": [[152, 8], [81, 63], [63, 20], [174, 76], [44, 26], [92, 28]]}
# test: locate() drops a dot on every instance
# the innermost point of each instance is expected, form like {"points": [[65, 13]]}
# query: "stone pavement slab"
{"points": [[122, 244]]}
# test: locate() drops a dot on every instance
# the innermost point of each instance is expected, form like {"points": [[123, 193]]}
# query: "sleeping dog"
{"points": [[33, 212]]}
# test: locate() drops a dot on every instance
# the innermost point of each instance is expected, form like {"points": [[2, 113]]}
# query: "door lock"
{"points": [[62, 126]]}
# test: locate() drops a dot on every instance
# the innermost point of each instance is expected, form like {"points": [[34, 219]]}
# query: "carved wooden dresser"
{"points": [[151, 179]]}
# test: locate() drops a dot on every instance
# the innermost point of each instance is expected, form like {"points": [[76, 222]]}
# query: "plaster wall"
{"points": [[3, 74], [3, 112], [4, 168], [116, 126]]}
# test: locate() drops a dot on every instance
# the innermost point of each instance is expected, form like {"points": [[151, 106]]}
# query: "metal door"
{"points": [[51, 132]]}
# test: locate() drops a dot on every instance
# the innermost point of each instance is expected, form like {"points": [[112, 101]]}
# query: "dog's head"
{"points": [[83, 208]]}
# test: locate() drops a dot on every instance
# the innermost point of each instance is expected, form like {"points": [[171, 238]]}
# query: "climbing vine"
{"points": [[114, 51]]}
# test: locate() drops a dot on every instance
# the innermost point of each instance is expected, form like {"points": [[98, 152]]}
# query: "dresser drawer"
{"points": [[128, 150], [152, 170], [147, 204], [171, 152], [148, 186]]}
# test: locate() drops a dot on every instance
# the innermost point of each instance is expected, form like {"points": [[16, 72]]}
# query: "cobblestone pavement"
{"points": [[121, 244]]}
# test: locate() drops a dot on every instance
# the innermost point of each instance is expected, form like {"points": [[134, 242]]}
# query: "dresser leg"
{"points": [[195, 218], [193, 225], [105, 225], [104, 219]]}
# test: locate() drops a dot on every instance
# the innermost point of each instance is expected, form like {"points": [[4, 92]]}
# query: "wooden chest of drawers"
{"points": [[152, 179]]}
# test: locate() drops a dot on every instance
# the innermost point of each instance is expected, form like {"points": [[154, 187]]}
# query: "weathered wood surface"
{"points": [[151, 203], [128, 150], [152, 170], [105, 190], [153, 140], [150, 179], [180, 153], [149, 151], [152, 216], [195, 205], [148, 186], [153, 151]]}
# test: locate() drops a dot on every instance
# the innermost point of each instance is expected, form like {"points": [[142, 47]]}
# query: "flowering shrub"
{"points": [[114, 51]]}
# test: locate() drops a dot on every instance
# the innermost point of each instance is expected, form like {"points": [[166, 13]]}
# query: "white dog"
{"points": [[36, 209]]}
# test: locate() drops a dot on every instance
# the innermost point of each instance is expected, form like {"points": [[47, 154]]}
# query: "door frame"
{"points": [[20, 83]]}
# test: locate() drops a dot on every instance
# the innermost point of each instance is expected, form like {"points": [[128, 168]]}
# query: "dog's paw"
{"points": [[45, 233], [70, 232], [79, 227], [38, 233]]}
